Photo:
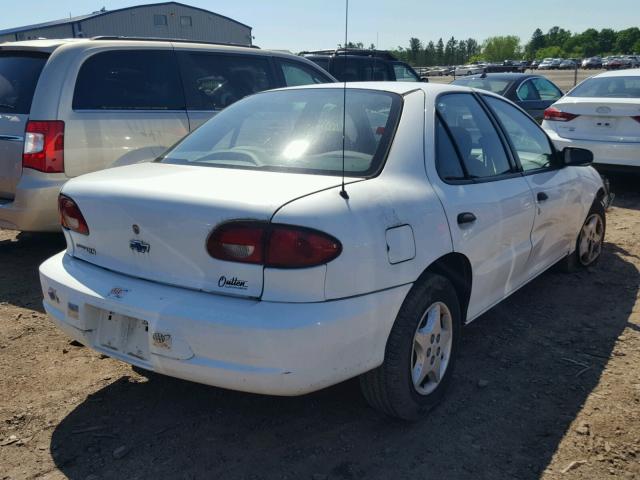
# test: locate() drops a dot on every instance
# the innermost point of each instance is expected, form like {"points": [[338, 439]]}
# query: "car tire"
{"points": [[588, 250], [391, 388]]}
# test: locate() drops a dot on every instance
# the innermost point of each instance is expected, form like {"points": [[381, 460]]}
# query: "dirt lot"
{"points": [[564, 79], [548, 386]]}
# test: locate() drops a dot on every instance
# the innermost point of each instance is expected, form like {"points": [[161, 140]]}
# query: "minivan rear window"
{"points": [[297, 131], [129, 80], [19, 74], [611, 87]]}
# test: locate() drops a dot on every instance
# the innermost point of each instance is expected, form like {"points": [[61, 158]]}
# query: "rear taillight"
{"points": [[44, 146], [272, 245], [554, 115], [71, 217]]}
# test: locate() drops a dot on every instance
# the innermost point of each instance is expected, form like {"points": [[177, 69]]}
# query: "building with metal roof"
{"points": [[156, 20]]}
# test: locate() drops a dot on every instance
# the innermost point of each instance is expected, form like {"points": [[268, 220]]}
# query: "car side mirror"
{"points": [[576, 157]]}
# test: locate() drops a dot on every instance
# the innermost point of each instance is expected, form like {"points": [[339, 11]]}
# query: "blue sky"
{"points": [[309, 24]]}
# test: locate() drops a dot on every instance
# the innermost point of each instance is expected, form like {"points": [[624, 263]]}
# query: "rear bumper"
{"points": [[35, 205], [604, 153], [240, 344]]}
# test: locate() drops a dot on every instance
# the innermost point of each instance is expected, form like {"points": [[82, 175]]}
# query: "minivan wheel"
{"points": [[590, 240], [420, 353]]}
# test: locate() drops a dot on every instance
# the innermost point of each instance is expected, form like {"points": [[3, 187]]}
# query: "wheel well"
{"points": [[457, 269], [600, 194]]}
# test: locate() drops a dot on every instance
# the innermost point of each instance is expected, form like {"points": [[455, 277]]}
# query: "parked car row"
{"points": [[294, 238], [70, 107], [608, 63]]}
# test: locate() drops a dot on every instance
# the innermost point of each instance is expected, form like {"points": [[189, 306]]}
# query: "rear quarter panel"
{"points": [[400, 195]]}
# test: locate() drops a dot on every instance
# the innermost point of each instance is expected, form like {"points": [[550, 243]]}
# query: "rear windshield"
{"points": [[614, 87], [495, 86], [297, 131], [19, 74]]}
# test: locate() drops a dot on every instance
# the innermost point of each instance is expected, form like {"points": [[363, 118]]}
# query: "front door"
{"points": [[556, 190]]}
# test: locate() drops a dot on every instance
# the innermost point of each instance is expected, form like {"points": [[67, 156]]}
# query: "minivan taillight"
{"points": [[44, 146], [71, 217], [554, 115], [272, 245]]}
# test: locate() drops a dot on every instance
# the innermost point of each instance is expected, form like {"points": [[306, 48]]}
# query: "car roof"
{"points": [[401, 88], [49, 45], [630, 72], [499, 76]]}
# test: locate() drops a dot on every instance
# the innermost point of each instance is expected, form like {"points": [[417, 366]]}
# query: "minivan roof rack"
{"points": [[176, 40], [352, 51]]}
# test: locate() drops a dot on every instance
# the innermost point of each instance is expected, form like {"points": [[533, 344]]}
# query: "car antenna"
{"points": [[343, 192]]}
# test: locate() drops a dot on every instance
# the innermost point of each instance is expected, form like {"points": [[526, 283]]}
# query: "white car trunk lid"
{"points": [[603, 119], [174, 208]]}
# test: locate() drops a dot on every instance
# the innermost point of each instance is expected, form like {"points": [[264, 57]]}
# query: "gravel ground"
{"points": [[548, 386]]}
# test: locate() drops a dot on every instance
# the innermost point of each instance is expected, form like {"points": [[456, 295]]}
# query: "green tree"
{"points": [[473, 48], [430, 54], [440, 52], [450, 51], [626, 39], [606, 40], [536, 43], [415, 49], [497, 49], [550, 52]]}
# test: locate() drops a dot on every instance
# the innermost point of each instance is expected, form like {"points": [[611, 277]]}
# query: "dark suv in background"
{"points": [[357, 65]]}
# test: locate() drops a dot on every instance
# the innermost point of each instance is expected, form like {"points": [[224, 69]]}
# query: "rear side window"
{"points": [[299, 74], [492, 85], [215, 81], [546, 89], [404, 73], [476, 138], [527, 92], [447, 159], [612, 87], [129, 80], [19, 74]]}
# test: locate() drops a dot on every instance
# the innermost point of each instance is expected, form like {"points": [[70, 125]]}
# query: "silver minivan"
{"points": [[69, 107]]}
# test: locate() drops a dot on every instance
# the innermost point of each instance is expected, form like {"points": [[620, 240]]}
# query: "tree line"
{"points": [[556, 43]]}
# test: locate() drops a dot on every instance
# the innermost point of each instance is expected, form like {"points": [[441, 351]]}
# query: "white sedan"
{"points": [[601, 114], [239, 260]]}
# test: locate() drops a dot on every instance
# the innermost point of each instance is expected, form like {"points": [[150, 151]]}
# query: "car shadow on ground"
{"points": [[20, 258], [525, 371]]}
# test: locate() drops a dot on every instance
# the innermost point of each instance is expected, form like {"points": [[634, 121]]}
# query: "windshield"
{"points": [[297, 131], [614, 87], [495, 86], [19, 73]]}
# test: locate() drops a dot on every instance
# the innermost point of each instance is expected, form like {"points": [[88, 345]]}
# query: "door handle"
{"points": [[542, 196], [466, 217]]}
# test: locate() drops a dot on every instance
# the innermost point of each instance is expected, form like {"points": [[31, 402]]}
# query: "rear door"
{"points": [[127, 107], [489, 205], [19, 74], [213, 81], [556, 190]]}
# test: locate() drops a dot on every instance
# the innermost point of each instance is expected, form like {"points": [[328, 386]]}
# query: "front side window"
{"points": [[296, 74], [476, 138], [404, 73], [129, 80], [215, 81], [546, 90], [19, 74], [529, 141], [608, 87], [159, 20], [297, 131]]}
